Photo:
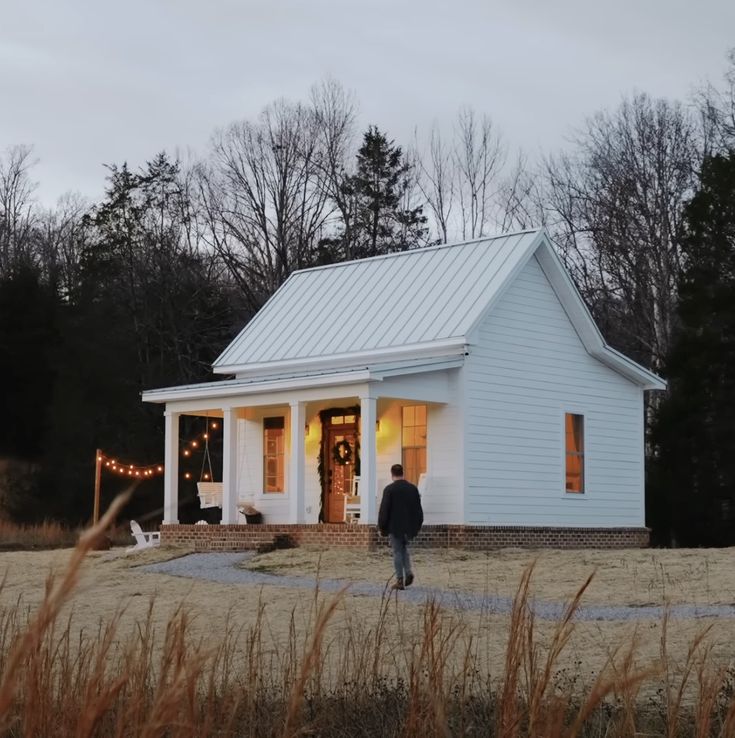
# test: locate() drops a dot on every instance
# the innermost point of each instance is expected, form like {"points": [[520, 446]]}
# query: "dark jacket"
{"points": [[400, 510]]}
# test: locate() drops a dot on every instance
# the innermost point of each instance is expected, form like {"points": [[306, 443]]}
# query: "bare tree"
{"points": [[60, 238], [469, 188], [438, 181], [335, 114], [263, 197], [614, 206], [717, 108], [17, 207], [479, 158]]}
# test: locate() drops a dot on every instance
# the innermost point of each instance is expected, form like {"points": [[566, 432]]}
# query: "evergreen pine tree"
{"points": [[383, 223], [694, 475]]}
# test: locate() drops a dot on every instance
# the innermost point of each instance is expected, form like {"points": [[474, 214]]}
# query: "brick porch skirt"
{"points": [[470, 537]]}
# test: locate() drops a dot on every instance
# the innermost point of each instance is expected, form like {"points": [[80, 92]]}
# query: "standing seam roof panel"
{"points": [[407, 298], [481, 297], [272, 332], [386, 298], [360, 289], [438, 269], [401, 291], [441, 317], [431, 291], [307, 318]]}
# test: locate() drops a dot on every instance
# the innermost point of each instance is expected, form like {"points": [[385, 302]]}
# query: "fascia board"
{"points": [[235, 388], [431, 349]]}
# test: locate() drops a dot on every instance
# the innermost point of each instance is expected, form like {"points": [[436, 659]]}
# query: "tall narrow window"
{"points": [[413, 442], [273, 444], [574, 431]]}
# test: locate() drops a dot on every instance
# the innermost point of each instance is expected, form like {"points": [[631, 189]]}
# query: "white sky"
{"points": [[88, 82]]}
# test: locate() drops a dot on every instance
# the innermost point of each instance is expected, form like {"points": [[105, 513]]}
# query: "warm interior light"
{"points": [[186, 452], [160, 468], [206, 435], [187, 475], [214, 425], [206, 476], [194, 444], [107, 463]]}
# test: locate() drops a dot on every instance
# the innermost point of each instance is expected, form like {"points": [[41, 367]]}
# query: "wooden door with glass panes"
{"points": [[341, 435]]}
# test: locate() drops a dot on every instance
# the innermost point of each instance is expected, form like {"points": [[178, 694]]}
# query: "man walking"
{"points": [[401, 518]]}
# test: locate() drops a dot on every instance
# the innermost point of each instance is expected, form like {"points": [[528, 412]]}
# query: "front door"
{"points": [[340, 453]]}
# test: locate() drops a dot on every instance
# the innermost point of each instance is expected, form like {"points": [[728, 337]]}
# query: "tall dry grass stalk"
{"points": [[404, 672]]}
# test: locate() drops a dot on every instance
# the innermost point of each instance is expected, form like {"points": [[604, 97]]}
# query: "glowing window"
{"points": [[413, 442], [574, 432], [273, 457]]}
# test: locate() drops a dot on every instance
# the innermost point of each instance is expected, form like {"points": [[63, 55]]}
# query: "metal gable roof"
{"points": [[412, 298]]}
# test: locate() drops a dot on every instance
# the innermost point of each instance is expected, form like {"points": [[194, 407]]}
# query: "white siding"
{"points": [[528, 366], [250, 465], [442, 499]]}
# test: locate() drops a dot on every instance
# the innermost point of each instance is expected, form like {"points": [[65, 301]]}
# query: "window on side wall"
{"points": [[413, 442], [273, 448], [574, 434]]}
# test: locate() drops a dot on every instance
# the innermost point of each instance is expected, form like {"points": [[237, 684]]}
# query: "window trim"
{"points": [[426, 446], [585, 493], [263, 491]]}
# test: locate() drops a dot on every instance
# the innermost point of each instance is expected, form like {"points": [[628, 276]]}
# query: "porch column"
{"points": [[229, 467], [171, 469], [296, 464], [368, 454]]}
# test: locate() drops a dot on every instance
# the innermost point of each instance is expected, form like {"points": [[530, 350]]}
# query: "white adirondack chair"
{"points": [[142, 539]]}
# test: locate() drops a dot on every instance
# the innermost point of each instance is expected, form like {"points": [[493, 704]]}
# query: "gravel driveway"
{"points": [[223, 568]]}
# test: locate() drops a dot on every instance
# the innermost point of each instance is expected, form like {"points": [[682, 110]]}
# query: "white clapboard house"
{"points": [[476, 365]]}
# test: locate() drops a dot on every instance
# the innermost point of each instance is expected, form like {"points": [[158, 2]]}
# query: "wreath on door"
{"points": [[342, 452]]}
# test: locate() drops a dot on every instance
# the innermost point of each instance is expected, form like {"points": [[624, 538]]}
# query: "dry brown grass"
{"points": [[634, 577], [278, 664], [50, 535]]}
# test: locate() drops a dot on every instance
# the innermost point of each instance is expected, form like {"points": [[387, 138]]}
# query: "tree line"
{"points": [[100, 300]]}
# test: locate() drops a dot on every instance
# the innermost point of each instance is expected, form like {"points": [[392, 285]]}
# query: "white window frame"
{"points": [[286, 426], [574, 410]]}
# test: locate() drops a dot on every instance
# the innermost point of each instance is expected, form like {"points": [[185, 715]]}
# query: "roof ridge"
{"points": [[421, 250]]}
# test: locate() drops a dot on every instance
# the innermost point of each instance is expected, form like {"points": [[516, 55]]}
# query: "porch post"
{"points": [[171, 469], [229, 467], [368, 453], [296, 464]]}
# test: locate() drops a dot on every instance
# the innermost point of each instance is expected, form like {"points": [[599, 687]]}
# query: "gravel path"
{"points": [[223, 568]]}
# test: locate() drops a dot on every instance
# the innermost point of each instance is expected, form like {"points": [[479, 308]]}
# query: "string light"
{"points": [[129, 470], [150, 470]]}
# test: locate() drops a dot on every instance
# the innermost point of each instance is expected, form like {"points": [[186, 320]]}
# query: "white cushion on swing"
{"points": [[210, 494]]}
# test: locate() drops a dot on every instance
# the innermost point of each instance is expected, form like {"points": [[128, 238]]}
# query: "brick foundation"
{"points": [[474, 538]]}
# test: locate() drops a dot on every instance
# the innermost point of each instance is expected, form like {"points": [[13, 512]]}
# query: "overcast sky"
{"points": [[88, 82]]}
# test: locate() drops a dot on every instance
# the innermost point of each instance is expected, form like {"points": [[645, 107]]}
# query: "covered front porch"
{"points": [[312, 450]]}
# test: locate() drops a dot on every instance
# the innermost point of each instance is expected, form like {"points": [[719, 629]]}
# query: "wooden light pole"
{"points": [[97, 480]]}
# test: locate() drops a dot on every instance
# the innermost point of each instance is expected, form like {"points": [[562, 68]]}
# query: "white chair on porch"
{"points": [[352, 502], [143, 540]]}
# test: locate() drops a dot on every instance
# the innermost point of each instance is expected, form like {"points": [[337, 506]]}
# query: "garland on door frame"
{"points": [[321, 467]]}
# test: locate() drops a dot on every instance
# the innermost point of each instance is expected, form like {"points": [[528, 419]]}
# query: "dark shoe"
{"points": [[409, 580], [398, 584]]}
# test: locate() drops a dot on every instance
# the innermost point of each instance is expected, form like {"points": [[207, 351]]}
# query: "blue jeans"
{"points": [[401, 559]]}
